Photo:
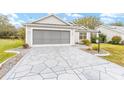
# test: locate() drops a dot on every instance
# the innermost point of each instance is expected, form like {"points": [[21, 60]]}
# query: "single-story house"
{"points": [[111, 31], [51, 30]]}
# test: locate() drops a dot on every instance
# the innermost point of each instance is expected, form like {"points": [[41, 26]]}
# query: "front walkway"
{"points": [[58, 63]]}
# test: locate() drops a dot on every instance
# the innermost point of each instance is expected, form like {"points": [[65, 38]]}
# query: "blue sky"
{"points": [[18, 19]]}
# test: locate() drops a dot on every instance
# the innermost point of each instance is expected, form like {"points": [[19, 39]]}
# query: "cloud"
{"points": [[14, 19], [108, 15], [68, 14], [75, 15], [16, 22], [107, 20], [11, 15], [65, 19], [111, 17]]}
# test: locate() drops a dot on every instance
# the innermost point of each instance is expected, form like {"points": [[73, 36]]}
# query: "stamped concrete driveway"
{"points": [[65, 62]]}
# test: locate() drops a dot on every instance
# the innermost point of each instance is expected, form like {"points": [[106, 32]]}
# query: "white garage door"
{"points": [[50, 37]]}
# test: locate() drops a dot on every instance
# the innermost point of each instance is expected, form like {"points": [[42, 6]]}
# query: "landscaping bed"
{"points": [[94, 52], [8, 64]]}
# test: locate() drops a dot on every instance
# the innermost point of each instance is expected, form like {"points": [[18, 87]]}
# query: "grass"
{"points": [[6, 44], [116, 51]]}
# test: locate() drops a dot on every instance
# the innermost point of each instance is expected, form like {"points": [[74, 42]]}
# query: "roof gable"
{"points": [[51, 19]]}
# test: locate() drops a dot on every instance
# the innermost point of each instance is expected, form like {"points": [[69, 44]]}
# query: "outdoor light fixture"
{"points": [[99, 41]]}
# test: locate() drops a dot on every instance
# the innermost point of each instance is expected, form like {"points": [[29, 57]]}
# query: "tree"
{"points": [[21, 33], [5, 25], [117, 24], [90, 22], [6, 28]]}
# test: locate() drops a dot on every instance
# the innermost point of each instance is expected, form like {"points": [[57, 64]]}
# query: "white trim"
{"points": [[51, 25], [31, 37], [43, 28], [71, 37], [43, 45]]}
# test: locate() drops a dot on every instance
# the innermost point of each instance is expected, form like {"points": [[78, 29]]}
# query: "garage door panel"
{"points": [[56, 41], [65, 35], [38, 41], [65, 41], [55, 35], [51, 37]]}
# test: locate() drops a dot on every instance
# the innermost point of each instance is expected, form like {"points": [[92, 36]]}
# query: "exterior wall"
{"points": [[51, 20], [30, 29], [77, 37], [28, 35], [110, 33]]}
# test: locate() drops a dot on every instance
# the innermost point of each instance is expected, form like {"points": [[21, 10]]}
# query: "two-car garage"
{"points": [[41, 37]]}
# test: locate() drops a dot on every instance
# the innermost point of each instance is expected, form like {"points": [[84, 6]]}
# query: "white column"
{"points": [[97, 36], [77, 40], [72, 38], [88, 35]]}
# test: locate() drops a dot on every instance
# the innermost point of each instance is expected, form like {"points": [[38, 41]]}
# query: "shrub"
{"points": [[102, 38], [93, 39], [86, 42], [12, 37], [116, 39], [21, 33], [95, 47], [110, 42], [25, 46]]}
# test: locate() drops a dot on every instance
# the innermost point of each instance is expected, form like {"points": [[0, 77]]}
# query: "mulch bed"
{"points": [[7, 66], [95, 51]]}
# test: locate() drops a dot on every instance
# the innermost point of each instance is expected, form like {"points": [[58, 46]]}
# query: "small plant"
{"points": [[116, 39], [25, 46], [86, 42]]}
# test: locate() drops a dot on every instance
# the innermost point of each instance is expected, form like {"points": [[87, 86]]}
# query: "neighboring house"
{"points": [[52, 30], [111, 31]]}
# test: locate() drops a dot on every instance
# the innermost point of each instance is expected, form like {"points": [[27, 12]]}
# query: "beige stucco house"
{"points": [[51, 30]]}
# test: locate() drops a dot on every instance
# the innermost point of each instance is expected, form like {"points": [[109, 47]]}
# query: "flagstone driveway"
{"points": [[65, 62]]}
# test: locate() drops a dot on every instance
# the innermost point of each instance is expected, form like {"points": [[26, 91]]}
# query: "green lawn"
{"points": [[6, 44], [117, 53]]}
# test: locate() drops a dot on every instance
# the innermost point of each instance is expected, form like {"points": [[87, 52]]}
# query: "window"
{"points": [[83, 35]]}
